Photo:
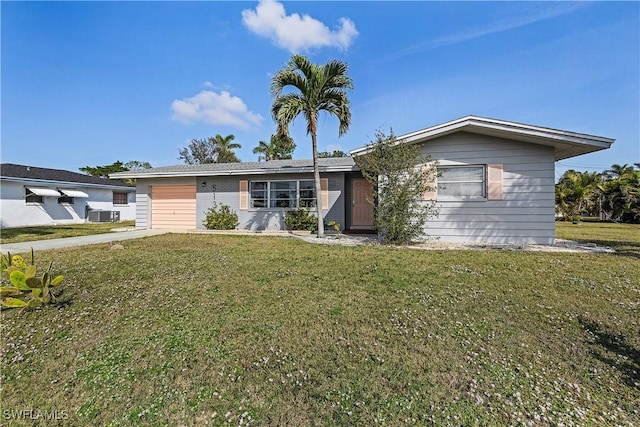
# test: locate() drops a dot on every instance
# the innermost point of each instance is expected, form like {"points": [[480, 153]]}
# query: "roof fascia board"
{"points": [[31, 181], [278, 171], [504, 129]]}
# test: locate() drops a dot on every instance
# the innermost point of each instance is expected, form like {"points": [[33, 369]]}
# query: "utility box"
{"points": [[104, 216]]}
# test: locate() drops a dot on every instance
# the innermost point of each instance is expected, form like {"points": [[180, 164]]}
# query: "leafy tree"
{"points": [[400, 175], [104, 171], [334, 153], [283, 146], [578, 192], [264, 151], [279, 148], [117, 166], [215, 149], [225, 149], [315, 88], [135, 165], [621, 193]]}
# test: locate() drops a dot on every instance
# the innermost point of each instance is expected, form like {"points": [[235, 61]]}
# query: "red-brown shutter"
{"points": [[324, 193], [243, 205], [494, 182], [430, 174]]}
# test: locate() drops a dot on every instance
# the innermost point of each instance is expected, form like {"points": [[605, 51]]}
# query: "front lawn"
{"points": [[27, 234], [211, 329]]}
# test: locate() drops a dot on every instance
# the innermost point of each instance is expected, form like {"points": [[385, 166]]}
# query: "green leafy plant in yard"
{"points": [[24, 289], [303, 219], [222, 218], [300, 219], [400, 175]]}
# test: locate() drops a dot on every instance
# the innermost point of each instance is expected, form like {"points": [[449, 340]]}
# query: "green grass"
{"points": [[197, 329], [625, 238], [27, 234]]}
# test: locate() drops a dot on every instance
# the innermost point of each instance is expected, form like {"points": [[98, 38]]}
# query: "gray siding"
{"points": [[526, 215], [227, 192]]}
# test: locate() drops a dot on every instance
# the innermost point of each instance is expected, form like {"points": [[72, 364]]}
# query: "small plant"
{"points": [[25, 290], [222, 218], [300, 219]]}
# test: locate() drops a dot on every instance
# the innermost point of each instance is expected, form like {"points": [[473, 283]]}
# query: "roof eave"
{"points": [[33, 181], [559, 139], [289, 170]]}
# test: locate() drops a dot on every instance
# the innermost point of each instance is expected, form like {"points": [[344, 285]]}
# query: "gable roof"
{"points": [[13, 172], [565, 143], [331, 164]]}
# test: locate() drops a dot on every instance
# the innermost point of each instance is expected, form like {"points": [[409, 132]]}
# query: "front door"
{"points": [[362, 204]]}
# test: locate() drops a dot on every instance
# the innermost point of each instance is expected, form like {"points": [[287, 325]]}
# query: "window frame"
{"points": [[39, 200], [458, 197], [113, 198], [66, 200], [269, 191]]}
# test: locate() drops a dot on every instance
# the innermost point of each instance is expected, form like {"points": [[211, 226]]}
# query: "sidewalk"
{"points": [[67, 242]]}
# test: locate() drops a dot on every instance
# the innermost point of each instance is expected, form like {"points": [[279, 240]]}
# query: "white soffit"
{"points": [[39, 191], [74, 193]]}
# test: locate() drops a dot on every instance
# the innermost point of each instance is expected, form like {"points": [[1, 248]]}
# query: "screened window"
{"points": [[282, 194], [461, 182], [120, 198], [31, 197], [65, 200]]}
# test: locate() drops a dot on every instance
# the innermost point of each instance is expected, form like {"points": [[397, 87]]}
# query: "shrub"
{"points": [[300, 219], [222, 218], [400, 175], [24, 289]]}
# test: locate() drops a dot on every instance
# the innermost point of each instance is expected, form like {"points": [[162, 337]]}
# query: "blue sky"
{"points": [[89, 83]]}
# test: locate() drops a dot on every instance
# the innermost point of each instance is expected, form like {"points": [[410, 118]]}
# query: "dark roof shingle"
{"points": [[11, 170]]}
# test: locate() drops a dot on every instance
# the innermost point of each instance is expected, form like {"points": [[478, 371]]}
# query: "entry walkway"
{"points": [[67, 242]]}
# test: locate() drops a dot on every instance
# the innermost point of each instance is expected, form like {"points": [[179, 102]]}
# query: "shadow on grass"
{"points": [[629, 249], [9, 233], [625, 358]]}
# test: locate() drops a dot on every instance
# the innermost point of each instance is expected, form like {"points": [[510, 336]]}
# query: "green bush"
{"points": [[25, 290], [222, 218], [300, 219]]}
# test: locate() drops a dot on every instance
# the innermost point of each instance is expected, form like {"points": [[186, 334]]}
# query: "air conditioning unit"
{"points": [[103, 216]]}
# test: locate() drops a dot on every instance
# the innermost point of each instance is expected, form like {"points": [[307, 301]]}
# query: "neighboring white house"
{"points": [[39, 196], [496, 184]]}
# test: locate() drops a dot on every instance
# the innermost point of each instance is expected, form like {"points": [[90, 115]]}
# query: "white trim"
{"points": [[566, 143], [44, 192], [74, 193], [271, 171]]}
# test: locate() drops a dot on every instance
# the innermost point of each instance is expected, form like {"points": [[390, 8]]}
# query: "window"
{"points": [[282, 194], [65, 200], [31, 197], [461, 182], [120, 198]]}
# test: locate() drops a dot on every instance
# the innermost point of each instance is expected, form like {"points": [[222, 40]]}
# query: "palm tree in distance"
{"points": [[315, 88], [225, 148], [264, 151]]}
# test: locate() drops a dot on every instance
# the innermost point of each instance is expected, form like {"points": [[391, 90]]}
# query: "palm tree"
{"points": [[224, 148], [315, 88], [264, 151]]}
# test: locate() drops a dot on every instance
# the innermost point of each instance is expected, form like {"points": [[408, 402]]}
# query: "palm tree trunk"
{"points": [[316, 178]]}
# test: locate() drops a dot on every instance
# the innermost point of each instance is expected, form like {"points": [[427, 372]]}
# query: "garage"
{"points": [[173, 207]]}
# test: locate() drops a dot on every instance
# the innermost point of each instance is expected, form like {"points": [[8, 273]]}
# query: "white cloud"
{"points": [[216, 109], [295, 32]]}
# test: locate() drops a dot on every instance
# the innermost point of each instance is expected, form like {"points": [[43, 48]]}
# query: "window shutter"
{"points": [[494, 182], [324, 193], [244, 195], [430, 174]]}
